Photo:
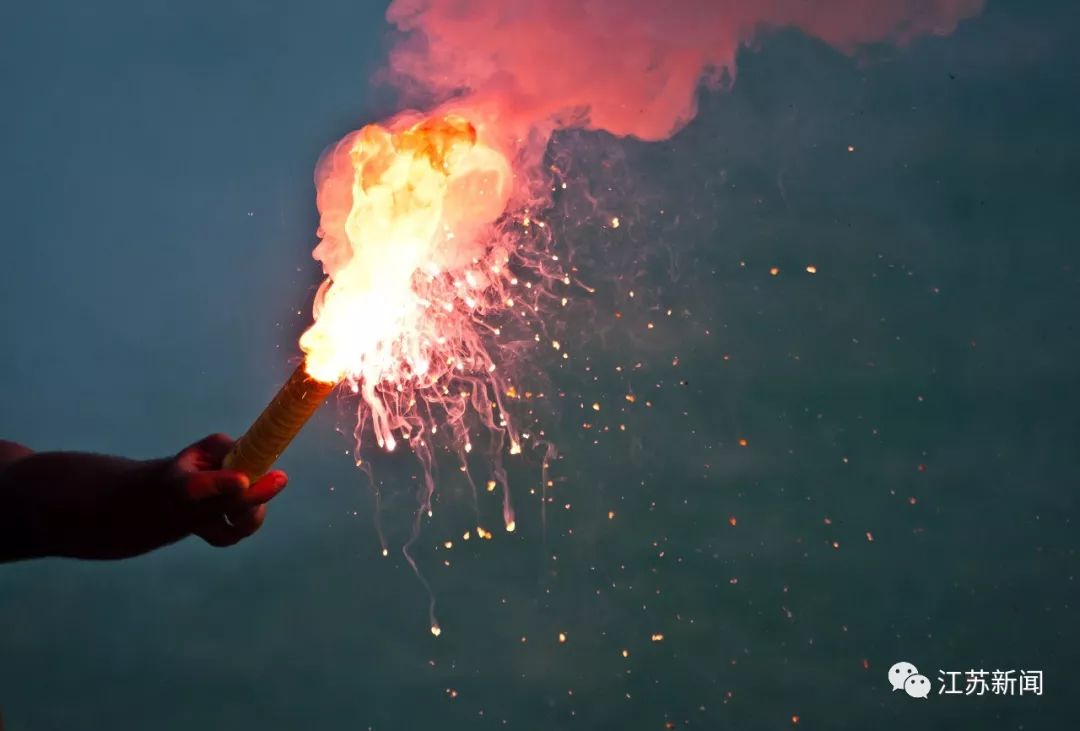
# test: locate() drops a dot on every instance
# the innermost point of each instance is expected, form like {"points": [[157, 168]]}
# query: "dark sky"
{"points": [[920, 388]]}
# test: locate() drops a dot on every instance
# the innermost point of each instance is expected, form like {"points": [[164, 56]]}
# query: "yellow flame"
{"points": [[402, 220]]}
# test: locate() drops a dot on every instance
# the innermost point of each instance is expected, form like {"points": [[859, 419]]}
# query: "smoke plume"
{"points": [[630, 67]]}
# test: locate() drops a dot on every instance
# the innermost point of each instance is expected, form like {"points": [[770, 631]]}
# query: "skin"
{"points": [[94, 506]]}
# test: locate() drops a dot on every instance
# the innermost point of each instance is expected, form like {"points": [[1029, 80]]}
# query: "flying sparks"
{"points": [[432, 237], [414, 270], [428, 276]]}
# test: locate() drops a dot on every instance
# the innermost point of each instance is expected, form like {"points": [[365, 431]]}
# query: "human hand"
{"points": [[101, 507], [216, 504]]}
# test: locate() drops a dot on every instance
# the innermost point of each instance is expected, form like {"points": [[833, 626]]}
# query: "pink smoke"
{"points": [[630, 67]]}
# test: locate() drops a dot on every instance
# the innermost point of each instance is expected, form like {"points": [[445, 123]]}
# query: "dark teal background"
{"points": [[922, 387]]}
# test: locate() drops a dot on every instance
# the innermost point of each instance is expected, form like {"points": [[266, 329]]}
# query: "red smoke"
{"points": [[630, 67]]}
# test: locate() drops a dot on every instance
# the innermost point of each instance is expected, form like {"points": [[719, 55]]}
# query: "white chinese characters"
{"points": [[906, 677], [994, 682]]}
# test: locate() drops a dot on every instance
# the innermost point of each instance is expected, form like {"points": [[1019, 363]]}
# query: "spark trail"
{"points": [[425, 235]]}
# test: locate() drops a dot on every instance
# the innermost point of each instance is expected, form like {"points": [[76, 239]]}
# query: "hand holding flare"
{"points": [[409, 271]]}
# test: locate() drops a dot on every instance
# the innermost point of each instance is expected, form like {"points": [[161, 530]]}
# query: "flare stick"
{"points": [[256, 451]]}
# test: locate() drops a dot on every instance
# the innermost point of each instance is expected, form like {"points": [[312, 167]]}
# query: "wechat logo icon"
{"points": [[905, 676]]}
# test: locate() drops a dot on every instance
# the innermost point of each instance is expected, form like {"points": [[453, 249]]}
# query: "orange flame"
{"points": [[412, 262]]}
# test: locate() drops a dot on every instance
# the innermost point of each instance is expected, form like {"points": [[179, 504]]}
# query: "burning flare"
{"points": [[415, 269], [406, 229], [295, 402], [413, 264], [415, 242]]}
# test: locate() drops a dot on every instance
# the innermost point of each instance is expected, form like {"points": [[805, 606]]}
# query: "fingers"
{"points": [[225, 486], [222, 506], [206, 454], [228, 490], [248, 521], [225, 530], [237, 515], [266, 488]]}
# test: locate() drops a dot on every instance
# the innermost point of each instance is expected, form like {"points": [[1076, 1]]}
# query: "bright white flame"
{"points": [[406, 245]]}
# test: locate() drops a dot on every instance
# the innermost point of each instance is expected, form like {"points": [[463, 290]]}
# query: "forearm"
{"points": [[98, 507], [15, 529], [78, 505]]}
